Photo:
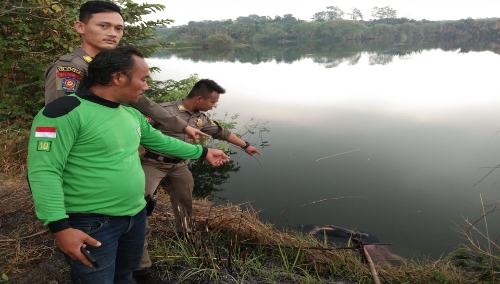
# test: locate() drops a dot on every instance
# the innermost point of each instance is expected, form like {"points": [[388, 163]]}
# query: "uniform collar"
{"points": [[179, 104], [89, 96], [82, 54]]}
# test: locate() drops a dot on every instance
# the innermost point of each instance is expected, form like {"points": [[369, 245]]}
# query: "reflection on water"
{"points": [[416, 125], [330, 54], [208, 180]]}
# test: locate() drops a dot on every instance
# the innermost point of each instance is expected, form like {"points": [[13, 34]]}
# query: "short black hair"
{"points": [[106, 63], [93, 7], [204, 89]]}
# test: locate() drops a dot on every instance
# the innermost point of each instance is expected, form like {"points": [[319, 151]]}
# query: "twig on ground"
{"points": [[25, 237]]}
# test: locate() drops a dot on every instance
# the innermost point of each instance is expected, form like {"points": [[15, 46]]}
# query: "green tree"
{"points": [[383, 13], [289, 18], [35, 33], [332, 13], [219, 41], [171, 90], [355, 15], [320, 16]]}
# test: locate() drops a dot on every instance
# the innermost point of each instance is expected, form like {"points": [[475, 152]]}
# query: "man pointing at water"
{"points": [[84, 169]]}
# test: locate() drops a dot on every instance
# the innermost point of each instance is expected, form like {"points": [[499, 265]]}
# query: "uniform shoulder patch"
{"points": [[67, 78], [61, 106]]}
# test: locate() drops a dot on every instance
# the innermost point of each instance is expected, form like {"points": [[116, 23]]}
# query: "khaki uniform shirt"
{"points": [[63, 78], [197, 120]]}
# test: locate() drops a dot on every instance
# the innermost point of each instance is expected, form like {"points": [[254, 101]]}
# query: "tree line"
{"points": [[331, 25]]}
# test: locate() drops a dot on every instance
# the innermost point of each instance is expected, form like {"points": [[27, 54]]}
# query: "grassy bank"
{"points": [[231, 246]]}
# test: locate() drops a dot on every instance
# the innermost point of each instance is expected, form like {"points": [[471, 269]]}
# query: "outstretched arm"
{"points": [[155, 140], [216, 157], [249, 149], [194, 133]]}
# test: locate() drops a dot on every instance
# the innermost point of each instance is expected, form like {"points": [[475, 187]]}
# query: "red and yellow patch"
{"points": [[69, 84], [67, 78]]}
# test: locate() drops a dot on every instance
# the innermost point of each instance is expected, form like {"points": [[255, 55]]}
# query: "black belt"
{"points": [[151, 155]]}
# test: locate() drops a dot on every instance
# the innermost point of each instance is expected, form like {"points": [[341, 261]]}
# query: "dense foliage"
{"points": [[34, 33], [330, 26], [219, 41]]}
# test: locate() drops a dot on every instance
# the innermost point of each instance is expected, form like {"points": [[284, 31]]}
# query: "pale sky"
{"points": [[184, 11]]}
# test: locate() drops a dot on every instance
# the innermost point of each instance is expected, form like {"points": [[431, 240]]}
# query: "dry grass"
{"points": [[28, 250], [243, 222], [13, 145], [24, 242]]}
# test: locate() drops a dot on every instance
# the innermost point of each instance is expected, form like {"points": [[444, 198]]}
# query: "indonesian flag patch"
{"points": [[45, 132]]}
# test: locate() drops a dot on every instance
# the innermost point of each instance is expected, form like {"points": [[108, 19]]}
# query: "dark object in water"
{"points": [[334, 234]]}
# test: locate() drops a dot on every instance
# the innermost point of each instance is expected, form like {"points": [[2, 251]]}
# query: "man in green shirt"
{"points": [[84, 169]]}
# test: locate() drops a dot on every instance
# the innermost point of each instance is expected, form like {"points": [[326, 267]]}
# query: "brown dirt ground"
{"points": [[27, 249], [28, 253]]}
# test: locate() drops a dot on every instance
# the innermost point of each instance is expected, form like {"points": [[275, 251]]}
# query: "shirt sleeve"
{"points": [[214, 129], [159, 114], [51, 140], [155, 140]]}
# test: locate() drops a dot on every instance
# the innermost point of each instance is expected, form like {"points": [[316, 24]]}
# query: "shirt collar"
{"points": [[182, 108], [89, 96]]}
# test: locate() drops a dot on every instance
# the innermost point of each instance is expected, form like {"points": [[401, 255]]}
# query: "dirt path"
{"points": [[27, 249]]}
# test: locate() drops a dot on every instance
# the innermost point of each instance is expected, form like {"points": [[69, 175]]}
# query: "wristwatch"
{"points": [[246, 145]]}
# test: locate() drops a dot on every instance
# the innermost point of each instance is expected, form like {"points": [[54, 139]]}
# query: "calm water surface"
{"points": [[414, 133]]}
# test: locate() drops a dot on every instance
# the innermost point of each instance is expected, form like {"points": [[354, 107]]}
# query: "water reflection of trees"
{"points": [[326, 54], [380, 59], [208, 179]]}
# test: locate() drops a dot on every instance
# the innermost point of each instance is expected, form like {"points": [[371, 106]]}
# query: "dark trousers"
{"points": [[122, 240]]}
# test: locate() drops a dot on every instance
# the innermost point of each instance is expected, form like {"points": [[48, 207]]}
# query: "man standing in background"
{"points": [[173, 171], [101, 27]]}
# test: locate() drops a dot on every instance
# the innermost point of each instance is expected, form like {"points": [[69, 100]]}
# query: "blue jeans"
{"points": [[122, 240]]}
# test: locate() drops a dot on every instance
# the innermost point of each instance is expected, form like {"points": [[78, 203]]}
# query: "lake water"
{"points": [[403, 138]]}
